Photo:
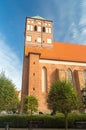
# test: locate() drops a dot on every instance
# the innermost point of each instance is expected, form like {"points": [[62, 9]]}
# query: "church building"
{"points": [[46, 61]]}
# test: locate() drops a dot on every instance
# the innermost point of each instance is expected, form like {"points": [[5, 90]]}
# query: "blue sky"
{"points": [[69, 25]]}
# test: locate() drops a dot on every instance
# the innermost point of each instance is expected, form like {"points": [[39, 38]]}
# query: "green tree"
{"points": [[8, 95], [62, 97], [31, 104]]}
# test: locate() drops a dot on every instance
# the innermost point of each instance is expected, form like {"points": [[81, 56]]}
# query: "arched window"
{"points": [[35, 28], [43, 29], [84, 73], [69, 74], [44, 79]]}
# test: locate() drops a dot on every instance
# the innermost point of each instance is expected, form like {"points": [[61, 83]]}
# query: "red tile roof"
{"points": [[61, 51]]}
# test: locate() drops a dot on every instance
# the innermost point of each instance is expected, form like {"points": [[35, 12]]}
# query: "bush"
{"points": [[16, 121], [57, 121]]}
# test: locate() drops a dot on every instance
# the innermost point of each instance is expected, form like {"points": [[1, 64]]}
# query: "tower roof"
{"points": [[38, 17]]}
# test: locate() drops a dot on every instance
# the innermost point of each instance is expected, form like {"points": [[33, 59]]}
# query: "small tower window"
{"points": [[49, 41], [39, 29], [33, 74], [43, 29], [30, 27], [28, 38], [39, 39], [35, 28], [28, 21], [46, 30], [49, 30], [34, 62], [33, 89], [49, 24]]}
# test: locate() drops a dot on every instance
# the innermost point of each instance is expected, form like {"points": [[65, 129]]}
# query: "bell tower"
{"points": [[38, 32]]}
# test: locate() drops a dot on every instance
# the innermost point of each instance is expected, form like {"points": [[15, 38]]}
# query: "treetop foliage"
{"points": [[8, 94], [31, 104], [62, 97]]}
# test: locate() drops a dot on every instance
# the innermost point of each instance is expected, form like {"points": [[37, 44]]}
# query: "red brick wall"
{"points": [[32, 77], [24, 80]]}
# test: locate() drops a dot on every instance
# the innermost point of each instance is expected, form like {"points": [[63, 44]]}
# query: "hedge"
{"points": [[57, 121]]}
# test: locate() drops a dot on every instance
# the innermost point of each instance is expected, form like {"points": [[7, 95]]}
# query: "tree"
{"points": [[8, 95], [31, 104], [62, 97]]}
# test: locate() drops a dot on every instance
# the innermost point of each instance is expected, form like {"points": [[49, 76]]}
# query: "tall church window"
{"points": [[44, 79], [84, 73], [69, 74], [35, 28]]}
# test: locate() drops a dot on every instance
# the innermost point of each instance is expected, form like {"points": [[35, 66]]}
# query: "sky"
{"points": [[69, 25]]}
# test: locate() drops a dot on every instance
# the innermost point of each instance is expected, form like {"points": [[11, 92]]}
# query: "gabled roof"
{"points": [[61, 51]]}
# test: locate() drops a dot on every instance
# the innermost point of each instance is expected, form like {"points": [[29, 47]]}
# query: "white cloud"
{"points": [[10, 63], [69, 19]]}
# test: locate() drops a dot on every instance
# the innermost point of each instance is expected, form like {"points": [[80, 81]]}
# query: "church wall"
{"points": [[81, 78], [59, 71], [24, 80], [33, 77], [33, 74]]}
